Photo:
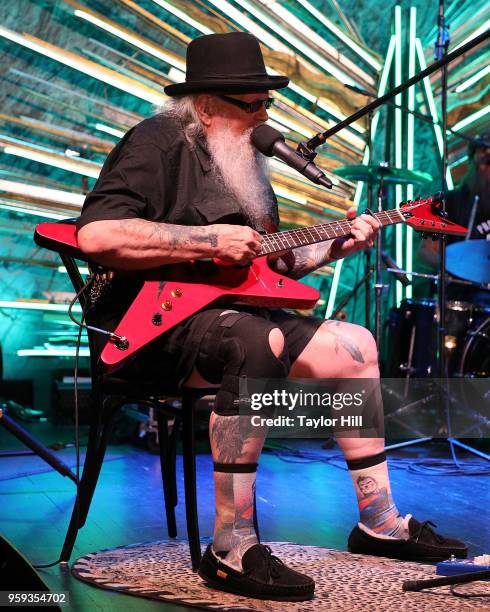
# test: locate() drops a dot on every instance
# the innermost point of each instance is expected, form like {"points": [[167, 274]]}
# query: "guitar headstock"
{"points": [[426, 215]]}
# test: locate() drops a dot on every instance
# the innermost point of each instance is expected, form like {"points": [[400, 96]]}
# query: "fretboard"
{"points": [[290, 239]]}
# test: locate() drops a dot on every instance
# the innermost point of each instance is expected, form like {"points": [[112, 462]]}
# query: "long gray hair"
{"points": [[183, 109]]}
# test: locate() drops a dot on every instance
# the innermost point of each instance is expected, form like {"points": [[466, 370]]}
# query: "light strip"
{"points": [[177, 76], [336, 113], [344, 134], [410, 137], [126, 35], [476, 33], [289, 195], [287, 171], [315, 39], [374, 125], [459, 161], [109, 130], [44, 193], [181, 15], [365, 160], [472, 80], [38, 306], [53, 352], [58, 161], [81, 269], [293, 40], [398, 146], [87, 67], [471, 118], [432, 108], [292, 125], [36, 212], [251, 26], [278, 126], [340, 34]]}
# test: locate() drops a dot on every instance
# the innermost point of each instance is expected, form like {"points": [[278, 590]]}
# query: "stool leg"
{"points": [[168, 478], [100, 430], [189, 460]]}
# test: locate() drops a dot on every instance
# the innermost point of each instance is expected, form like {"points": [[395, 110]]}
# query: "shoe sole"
{"points": [[224, 587], [410, 559]]}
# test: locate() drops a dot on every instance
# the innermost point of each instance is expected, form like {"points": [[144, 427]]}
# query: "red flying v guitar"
{"points": [[174, 292]]}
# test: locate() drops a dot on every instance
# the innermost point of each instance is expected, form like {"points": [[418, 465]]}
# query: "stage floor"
{"points": [[308, 503]]}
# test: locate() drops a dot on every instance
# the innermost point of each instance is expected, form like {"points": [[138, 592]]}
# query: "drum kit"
{"points": [[413, 326]]}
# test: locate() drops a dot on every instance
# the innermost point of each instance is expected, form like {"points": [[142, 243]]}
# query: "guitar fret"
{"points": [[280, 241]]}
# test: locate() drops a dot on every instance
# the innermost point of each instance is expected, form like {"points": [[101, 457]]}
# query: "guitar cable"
{"points": [[81, 326]]}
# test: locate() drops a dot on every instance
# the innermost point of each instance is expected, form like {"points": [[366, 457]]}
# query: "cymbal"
{"points": [[469, 260], [374, 172]]}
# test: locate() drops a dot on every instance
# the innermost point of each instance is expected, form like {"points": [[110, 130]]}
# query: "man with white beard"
{"points": [[188, 185]]}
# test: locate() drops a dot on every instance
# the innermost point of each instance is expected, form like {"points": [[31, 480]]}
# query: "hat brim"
{"points": [[239, 86]]}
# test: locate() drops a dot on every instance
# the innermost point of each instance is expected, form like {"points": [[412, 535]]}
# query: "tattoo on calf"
{"points": [[229, 435]]}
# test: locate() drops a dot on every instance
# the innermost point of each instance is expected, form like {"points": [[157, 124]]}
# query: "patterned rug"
{"points": [[344, 582]]}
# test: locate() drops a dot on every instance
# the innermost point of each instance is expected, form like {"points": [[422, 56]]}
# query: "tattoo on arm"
{"points": [[309, 258], [176, 236]]}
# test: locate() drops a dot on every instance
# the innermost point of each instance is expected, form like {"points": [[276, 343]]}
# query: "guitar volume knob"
{"points": [[167, 305], [177, 292]]}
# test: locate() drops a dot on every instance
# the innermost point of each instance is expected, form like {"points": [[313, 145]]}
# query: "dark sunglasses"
{"points": [[249, 107]]}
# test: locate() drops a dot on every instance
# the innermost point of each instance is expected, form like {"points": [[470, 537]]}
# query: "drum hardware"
{"points": [[435, 278]]}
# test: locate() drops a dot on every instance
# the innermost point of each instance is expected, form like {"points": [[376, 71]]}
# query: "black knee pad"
{"points": [[237, 345]]}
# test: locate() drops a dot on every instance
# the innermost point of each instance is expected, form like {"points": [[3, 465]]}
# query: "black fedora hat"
{"points": [[230, 63]]}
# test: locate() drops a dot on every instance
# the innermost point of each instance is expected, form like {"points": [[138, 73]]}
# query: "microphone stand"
{"points": [[441, 47], [417, 114], [367, 269], [307, 149]]}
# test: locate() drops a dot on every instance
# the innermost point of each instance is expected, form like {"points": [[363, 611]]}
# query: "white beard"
{"points": [[243, 172]]}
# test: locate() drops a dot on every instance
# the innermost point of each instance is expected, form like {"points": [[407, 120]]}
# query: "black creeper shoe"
{"points": [[423, 544], [264, 576]]}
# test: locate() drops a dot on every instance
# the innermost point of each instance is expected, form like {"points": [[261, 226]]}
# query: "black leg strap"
{"points": [[235, 468], [366, 462]]}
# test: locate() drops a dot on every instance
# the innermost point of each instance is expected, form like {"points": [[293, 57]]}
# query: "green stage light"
{"points": [[471, 118], [472, 80]]}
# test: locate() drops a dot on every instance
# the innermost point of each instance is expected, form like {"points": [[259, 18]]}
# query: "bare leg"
{"points": [[343, 350], [234, 441]]}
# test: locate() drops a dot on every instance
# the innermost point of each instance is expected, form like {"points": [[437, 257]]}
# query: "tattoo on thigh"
{"points": [[343, 341]]}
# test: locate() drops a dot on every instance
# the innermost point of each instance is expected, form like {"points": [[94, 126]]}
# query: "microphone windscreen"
{"points": [[264, 137]]}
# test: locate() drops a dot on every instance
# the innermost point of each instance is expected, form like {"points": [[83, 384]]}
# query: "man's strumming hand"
{"points": [[236, 243]]}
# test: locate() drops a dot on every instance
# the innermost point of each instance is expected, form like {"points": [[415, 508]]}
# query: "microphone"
{"points": [[270, 142]]}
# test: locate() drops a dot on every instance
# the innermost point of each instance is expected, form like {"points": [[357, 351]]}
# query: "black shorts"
{"points": [[298, 330], [173, 359]]}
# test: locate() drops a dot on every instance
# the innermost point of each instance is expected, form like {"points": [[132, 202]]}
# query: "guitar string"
{"points": [[281, 239]]}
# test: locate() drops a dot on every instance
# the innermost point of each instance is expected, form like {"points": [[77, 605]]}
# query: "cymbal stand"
{"points": [[367, 252], [378, 285]]}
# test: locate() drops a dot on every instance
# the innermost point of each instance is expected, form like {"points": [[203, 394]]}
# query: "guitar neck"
{"points": [[290, 239]]}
